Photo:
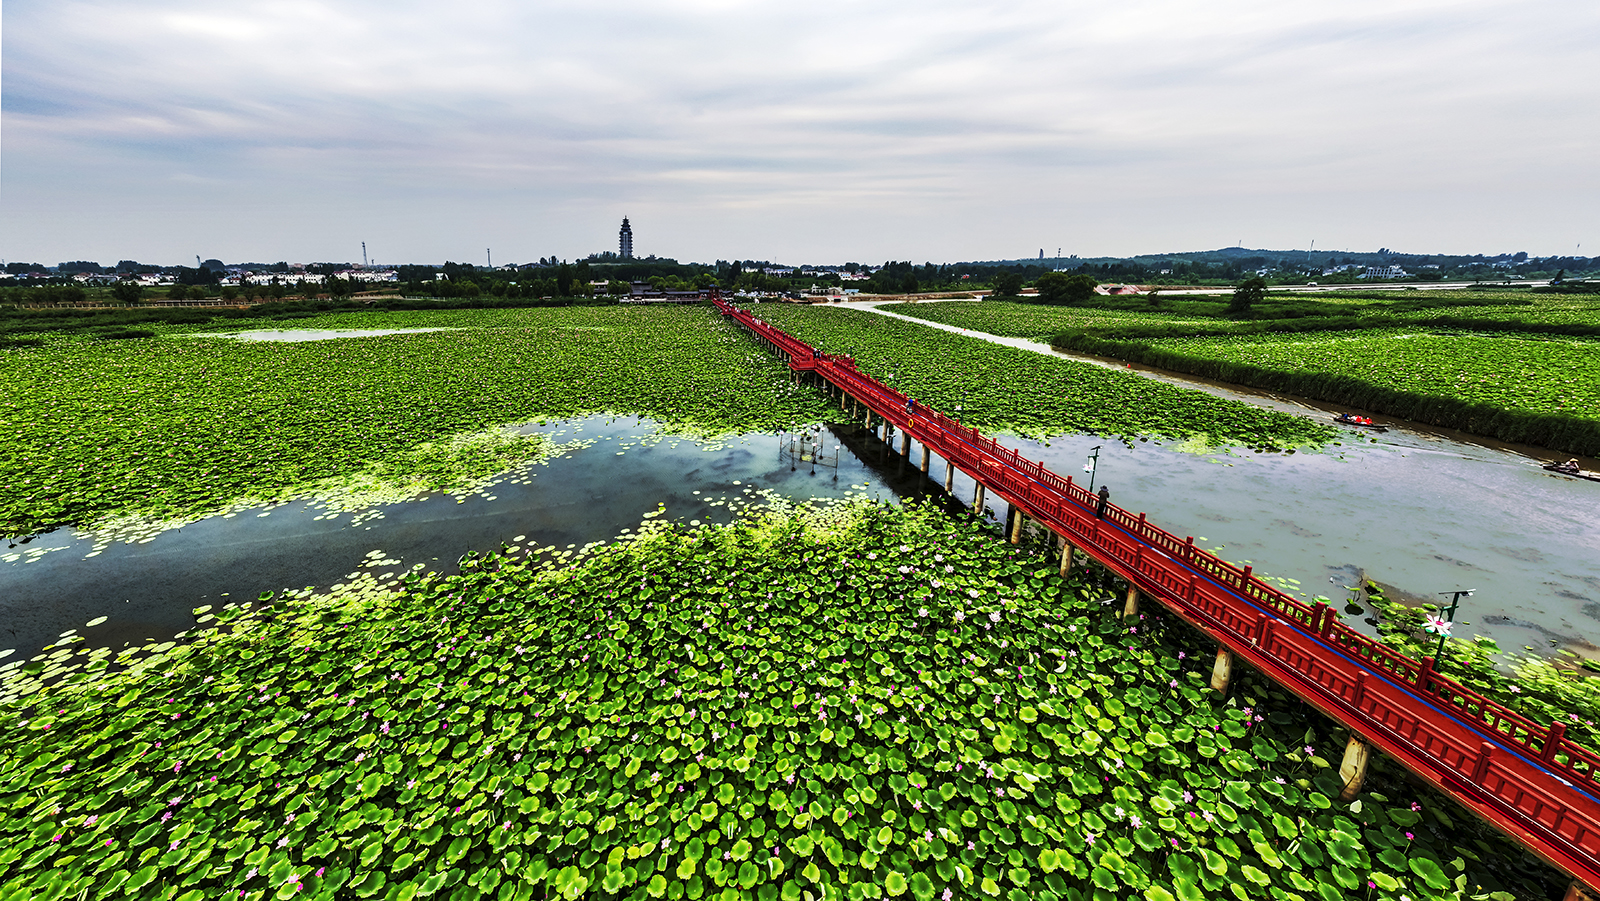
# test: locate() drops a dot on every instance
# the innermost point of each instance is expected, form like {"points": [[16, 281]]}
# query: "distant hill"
{"points": [[1245, 256]]}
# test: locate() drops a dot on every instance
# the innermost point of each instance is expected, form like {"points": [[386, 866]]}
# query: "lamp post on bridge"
{"points": [[1440, 625], [1092, 465]]}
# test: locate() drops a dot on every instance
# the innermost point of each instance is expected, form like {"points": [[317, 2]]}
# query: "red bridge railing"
{"points": [[1524, 777]]}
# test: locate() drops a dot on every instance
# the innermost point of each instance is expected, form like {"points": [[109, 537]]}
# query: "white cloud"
{"points": [[828, 130]]}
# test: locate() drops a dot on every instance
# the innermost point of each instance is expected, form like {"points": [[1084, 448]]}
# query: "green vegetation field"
{"points": [[1028, 320], [1541, 375], [1130, 316], [698, 714], [1007, 389]]}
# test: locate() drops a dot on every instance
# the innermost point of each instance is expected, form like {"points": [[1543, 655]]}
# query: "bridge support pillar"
{"points": [[1016, 522], [1066, 557], [926, 458], [1222, 672], [1131, 608], [905, 444], [977, 501], [1353, 769], [949, 476]]}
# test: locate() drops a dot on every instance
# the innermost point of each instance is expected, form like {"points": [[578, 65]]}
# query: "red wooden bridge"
{"points": [[1523, 777]]}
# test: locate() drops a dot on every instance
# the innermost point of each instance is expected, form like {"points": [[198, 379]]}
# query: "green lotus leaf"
{"points": [[1346, 852], [1218, 863], [1103, 878], [1429, 871], [140, 878], [1403, 817]]}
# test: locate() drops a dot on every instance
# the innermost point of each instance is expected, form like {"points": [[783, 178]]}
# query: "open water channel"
{"points": [[1415, 511]]}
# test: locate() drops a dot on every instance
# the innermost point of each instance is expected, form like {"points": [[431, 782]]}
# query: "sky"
{"points": [[818, 132]]}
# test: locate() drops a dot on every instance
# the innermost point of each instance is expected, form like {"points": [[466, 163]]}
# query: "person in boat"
{"points": [[1569, 466]]}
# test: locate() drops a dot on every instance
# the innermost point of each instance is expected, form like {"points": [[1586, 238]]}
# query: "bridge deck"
{"points": [[1521, 776]]}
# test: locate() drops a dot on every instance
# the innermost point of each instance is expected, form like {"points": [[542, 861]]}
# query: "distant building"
{"points": [[1383, 272], [626, 237]]}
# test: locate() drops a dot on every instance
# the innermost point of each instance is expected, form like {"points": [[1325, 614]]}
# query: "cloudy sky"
{"points": [[820, 131]]}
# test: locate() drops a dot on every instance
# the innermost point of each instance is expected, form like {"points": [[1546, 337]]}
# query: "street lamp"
{"points": [[1440, 625], [1092, 465]]}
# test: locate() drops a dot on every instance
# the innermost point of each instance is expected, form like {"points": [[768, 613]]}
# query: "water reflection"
{"points": [[1412, 511]]}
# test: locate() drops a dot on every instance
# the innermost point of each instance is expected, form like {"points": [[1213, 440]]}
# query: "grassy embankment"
{"points": [[1513, 366], [701, 714]]}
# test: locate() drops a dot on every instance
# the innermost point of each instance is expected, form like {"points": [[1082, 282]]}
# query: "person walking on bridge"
{"points": [[1105, 498]]}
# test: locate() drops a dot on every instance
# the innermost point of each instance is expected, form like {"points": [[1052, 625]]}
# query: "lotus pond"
{"points": [[176, 427], [696, 712]]}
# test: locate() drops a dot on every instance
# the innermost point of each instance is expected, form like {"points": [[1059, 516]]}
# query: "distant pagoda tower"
{"points": [[626, 235]]}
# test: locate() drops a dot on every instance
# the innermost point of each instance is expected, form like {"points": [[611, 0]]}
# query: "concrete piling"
{"points": [[1353, 769], [1222, 672]]}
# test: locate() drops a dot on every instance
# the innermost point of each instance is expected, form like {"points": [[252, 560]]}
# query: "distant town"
{"points": [[621, 273]]}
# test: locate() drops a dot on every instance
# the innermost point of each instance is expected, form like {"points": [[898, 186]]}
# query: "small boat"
{"points": [[1362, 421], [1562, 469]]}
